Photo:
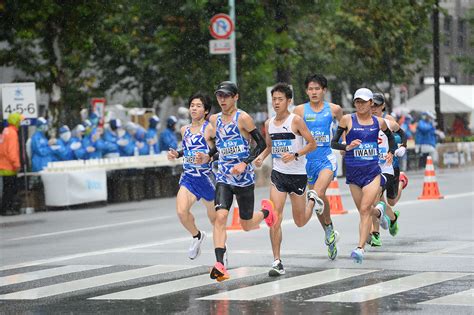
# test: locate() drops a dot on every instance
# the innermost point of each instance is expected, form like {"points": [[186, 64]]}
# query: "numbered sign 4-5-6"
{"points": [[20, 98]]}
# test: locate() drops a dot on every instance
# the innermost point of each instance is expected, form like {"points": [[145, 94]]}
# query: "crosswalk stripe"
{"points": [[463, 298], [46, 273], [287, 285], [178, 285], [91, 282], [390, 287]]}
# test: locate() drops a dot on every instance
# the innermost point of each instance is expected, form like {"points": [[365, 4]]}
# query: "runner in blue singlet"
{"points": [[197, 180], [321, 163], [363, 173]]}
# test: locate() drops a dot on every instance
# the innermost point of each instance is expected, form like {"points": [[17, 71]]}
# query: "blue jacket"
{"points": [[64, 152], [41, 152], [168, 140], [152, 133], [99, 146], [79, 153], [110, 141], [425, 133]]}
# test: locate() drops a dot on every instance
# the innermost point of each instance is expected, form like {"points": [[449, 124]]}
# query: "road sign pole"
{"points": [[233, 54]]}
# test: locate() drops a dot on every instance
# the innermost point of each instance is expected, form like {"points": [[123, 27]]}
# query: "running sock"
{"points": [[220, 254], [198, 236], [328, 226], [265, 213], [376, 233]]}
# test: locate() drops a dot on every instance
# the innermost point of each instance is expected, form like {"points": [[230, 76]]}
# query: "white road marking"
{"points": [[379, 290], [287, 285], [463, 298], [92, 282], [105, 226], [46, 273], [179, 285]]}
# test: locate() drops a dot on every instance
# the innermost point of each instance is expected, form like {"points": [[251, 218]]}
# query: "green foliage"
{"points": [[160, 48]]}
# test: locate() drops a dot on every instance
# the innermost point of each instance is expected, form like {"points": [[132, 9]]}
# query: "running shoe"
{"points": [[331, 236], [318, 202], [384, 219], [277, 269], [195, 247], [358, 255], [393, 229], [267, 204], [375, 240], [404, 179], [219, 273]]}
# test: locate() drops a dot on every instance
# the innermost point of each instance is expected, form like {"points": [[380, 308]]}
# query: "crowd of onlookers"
{"points": [[90, 140]]}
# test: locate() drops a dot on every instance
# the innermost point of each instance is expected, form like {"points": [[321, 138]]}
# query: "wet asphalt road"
{"points": [[132, 258]]}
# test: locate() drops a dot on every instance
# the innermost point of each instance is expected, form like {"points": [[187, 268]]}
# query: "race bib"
{"points": [[189, 158], [366, 152], [232, 149], [281, 146], [382, 155], [321, 138]]}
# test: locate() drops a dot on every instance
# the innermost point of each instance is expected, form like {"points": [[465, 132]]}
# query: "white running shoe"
{"points": [[195, 247], [384, 220], [318, 203]]}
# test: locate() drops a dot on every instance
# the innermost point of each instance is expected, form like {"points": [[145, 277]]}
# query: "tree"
{"points": [[51, 42]]}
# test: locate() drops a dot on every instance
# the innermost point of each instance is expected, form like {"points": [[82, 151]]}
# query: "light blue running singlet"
{"points": [[319, 124], [193, 143]]}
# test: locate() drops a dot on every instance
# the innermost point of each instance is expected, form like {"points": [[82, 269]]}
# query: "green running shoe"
{"points": [[393, 229], [376, 241], [332, 251]]}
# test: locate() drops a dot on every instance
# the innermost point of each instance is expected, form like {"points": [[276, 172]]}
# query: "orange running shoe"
{"points": [[219, 273], [267, 204], [404, 179]]}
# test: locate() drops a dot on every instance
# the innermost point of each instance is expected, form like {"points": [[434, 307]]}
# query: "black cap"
{"points": [[227, 87], [378, 99]]}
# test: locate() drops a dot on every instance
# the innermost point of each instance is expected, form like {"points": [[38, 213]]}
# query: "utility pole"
{"points": [[233, 54], [439, 115]]}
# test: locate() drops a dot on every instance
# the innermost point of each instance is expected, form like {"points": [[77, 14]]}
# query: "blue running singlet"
{"points": [[233, 148], [319, 124], [197, 178], [362, 162]]}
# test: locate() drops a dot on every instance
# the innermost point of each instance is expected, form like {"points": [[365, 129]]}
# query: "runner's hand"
{"points": [[354, 144], [239, 168], [400, 151], [202, 158], [172, 154]]}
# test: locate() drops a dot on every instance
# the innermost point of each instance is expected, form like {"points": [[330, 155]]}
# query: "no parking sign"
{"points": [[221, 26]]}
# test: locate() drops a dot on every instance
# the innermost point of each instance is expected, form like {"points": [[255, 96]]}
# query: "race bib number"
{"points": [[366, 152], [382, 155], [281, 146], [232, 148], [321, 138], [189, 158]]}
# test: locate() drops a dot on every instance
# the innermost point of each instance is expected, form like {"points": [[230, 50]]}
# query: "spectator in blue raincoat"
{"points": [[425, 138], [77, 148], [168, 138], [64, 151], [151, 135], [111, 137], [140, 142], [93, 144], [40, 146]]}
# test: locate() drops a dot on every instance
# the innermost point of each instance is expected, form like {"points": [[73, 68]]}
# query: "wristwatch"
{"points": [[296, 156]]}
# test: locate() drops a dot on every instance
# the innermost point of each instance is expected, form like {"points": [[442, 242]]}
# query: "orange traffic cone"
{"points": [[334, 197], [430, 185], [235, 225]]}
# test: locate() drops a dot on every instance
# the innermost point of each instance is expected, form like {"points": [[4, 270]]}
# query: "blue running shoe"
{"points": [[358, 255], [384, 219]]}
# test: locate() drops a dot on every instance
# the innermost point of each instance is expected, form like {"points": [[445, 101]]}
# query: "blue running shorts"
{"points": [[363, 175], [199, 186], [315, 166]]}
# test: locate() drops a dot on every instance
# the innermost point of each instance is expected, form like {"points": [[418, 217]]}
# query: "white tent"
{"points": [[454, 99]]}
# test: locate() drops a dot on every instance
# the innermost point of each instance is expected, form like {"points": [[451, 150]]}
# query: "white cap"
{"points": [[364, 94]]}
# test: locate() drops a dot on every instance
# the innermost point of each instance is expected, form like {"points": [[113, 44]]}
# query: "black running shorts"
{"points": [[245, 199], [289, 183]]}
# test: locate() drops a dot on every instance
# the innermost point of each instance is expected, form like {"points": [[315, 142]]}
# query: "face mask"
{"points": [[158, 126], [94, 121], [65, 136], [120, 132], [43, 128]]}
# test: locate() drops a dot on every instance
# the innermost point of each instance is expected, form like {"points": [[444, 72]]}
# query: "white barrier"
{"points": [[74, 187]]}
